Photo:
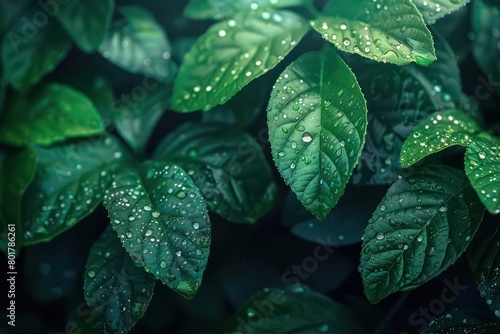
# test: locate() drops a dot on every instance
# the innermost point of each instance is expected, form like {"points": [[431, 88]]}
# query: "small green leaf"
{"points": [[390, 31], [69, 184], [233, 53], [433, 10], [139, 44], [116, 289], [463, 322], [294, 309], [436, 133], [228, 167], [30, 52], [421, 227], [317, 122], [49, 114], [482, 165], [17, 169], [162, 221], [87, 21]]}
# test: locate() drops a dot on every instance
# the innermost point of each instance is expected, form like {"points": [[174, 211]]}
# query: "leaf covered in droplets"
{"points": [[391, 31], [436, 133], [463, 322], [433, 10], [162, 221], [49, 114], [421, 227], [117, 291], [227, 165], [232, 53], [317, 122], [69, 184], [482, 165], [293, 309]]}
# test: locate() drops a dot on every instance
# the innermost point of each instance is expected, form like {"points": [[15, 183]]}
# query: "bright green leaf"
{"points": [[233, 53], [116, 289], [436, 133], [317, 122], [162, 221], [69, 184], [421, 227], [482, 165], [294, 309], [49, 114], [139, 44], [390, 31], [433, 10], [227, 165], [463, 322]]}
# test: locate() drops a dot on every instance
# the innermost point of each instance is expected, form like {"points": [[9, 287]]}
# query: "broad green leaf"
{"points": [[69, 184], [317, 122], [232, 53], [390, 31], [421, 227], [9, 12], [217, 9], [139, 44], [482, 165], [116, 289], [436, 133], [228, 167], [17, 169], [49, 114], [86, 21], [433, 10], [293, 309], [463, 322], [30, 51], [162, 221]]}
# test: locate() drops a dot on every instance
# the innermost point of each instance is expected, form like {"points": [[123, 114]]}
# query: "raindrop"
{"points": [[306, 137]]}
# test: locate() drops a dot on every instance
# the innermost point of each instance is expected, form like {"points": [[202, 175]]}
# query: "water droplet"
{"points": [[91, 273], [147, 208], [306, 137], [380, 236], [156, 214], [163, 264], [196, 226], [222, 33], [383, 207]]}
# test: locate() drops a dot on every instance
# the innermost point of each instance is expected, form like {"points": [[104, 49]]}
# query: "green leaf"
{"points": [[433, 10], [139, 44], [463, 322], [482, 166], [49, 114], [87, 21], [436, 133], [228, 167], [233, 53], [420, 228], [293, 309], [117, 291], [317, 122], [30, 52], [9, 12], [162, 221], [390, 31], [17, 169], [210, 9], [69, 184]]}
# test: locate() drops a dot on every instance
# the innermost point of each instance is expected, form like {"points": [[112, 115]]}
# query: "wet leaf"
{"points": [[117, 291], [317, 124], [49, 114], [433, 10], [228, 167], [421, 227], [463, 322], [162, 221], [386, 31], [232, 53]]}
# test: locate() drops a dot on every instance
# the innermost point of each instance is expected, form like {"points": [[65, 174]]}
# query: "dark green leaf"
{"points": [[420, 228], [227, 165], [139, 44], [9, 11], [49, 114], [317, 125], [482, 165], [436, 133], [116, 289], [87, 21], [233, 53], [293, 309], [162, 221], [463, 322], [69, 184], [386, 31], [433, 10]]}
